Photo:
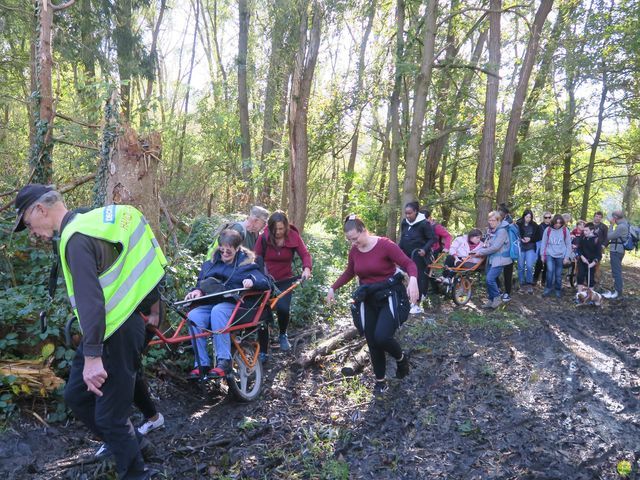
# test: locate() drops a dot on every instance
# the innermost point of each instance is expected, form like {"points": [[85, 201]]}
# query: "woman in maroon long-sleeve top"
{"points": [[374, 260], [277, 245]]}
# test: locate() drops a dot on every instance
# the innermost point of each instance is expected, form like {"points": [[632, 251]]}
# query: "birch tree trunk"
{"points": [[305, 64], [423, 81], [506, 168], [486, 162]]}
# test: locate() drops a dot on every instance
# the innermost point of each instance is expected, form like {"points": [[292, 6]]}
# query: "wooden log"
{"points": [[326, 346], [353, 367]]}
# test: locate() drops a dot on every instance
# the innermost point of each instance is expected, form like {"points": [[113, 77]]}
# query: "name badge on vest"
{"points": [[109, 215]]}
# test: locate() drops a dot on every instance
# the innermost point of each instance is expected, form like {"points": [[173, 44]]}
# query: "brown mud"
{"points": [[538, 389]]}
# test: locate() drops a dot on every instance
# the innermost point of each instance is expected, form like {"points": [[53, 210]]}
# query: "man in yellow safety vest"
{"points": [[112, 265]]}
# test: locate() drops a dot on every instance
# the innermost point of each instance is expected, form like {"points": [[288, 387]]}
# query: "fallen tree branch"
{"points": [[325, 347], [354, 366], [176, 221]]}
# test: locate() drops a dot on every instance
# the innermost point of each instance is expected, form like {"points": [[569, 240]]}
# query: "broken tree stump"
{"points": [[326, 346], [357, 363]]}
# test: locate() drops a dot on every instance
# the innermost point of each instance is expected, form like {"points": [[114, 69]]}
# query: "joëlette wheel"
{"points": [[245, 381]]}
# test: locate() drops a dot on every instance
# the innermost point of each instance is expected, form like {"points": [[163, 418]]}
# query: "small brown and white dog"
{"points": [[588, 296]]}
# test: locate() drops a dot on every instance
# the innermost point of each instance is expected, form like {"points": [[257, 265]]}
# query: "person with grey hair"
{"points": [[616, 238], [112, 266], [252, 226]]}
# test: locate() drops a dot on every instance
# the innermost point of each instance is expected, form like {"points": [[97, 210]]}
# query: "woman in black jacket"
{"points": [[528, 237], [416, 238]]}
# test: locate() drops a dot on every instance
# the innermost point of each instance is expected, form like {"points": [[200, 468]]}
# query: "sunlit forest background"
{"points": [[320, 108]]}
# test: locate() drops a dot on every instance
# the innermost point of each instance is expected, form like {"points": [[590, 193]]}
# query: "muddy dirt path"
{"points": [[539, 389]]}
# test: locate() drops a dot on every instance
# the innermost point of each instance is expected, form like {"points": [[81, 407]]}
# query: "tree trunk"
{"points": [[187, 95], [414, 146], [243, 99], [153, 52], [632, 185], [123, 36], [107, 149], [40, 159], [586, 196], [133, 174], [486, 162], [539, 83], [442, 92], [506, 169], [275, 97], [394, 114], [358, 104], [568, 135], [305, 64]]}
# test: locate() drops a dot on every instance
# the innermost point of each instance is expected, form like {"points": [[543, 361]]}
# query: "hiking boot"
{"points": [[547, 292], [223, 367], [380, 388], [416, 309], [498, 301], [506, 297], [488, 304], [402, 366], [285, 346], [151, 425], [530, 289], [558, 294], [147, 449], [103, 452], [195, 373]]}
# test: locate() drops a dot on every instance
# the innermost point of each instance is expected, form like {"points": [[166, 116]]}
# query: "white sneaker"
{"points": [[416, 309], [610, 295], [150, 425]]}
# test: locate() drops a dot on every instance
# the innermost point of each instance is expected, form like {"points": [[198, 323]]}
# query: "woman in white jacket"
{"points": [[460, 249]]}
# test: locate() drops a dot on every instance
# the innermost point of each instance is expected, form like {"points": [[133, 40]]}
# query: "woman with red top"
{"points": [[277, 246], [381, 298]]}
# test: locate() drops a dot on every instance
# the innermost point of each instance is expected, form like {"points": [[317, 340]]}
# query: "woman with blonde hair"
{"points": [[496, 249]]}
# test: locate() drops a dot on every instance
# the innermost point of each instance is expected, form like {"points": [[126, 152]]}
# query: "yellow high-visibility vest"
{"points": [[137, 270]]}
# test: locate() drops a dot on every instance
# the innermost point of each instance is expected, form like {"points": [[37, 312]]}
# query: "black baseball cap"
{"points": [[26, 197]]}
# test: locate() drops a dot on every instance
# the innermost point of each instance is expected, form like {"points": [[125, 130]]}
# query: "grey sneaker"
{"points": [[488, 304], [498, 301], [285, 346], [506, 297]]}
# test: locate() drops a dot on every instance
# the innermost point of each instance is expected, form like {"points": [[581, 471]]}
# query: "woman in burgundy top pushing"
{"points": [[277, 246], [374, 260]]}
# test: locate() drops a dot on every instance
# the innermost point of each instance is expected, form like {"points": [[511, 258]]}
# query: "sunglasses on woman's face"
{"points": [[547, 218]]}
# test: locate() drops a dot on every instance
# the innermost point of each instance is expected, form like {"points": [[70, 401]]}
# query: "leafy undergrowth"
{"points": [[536, 389]]}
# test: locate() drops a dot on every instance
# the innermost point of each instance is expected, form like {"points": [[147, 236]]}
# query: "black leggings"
{"points": [[585, 273], [422, 263], [379, 328], [141, 396], [507, 273], [283, 307]]}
